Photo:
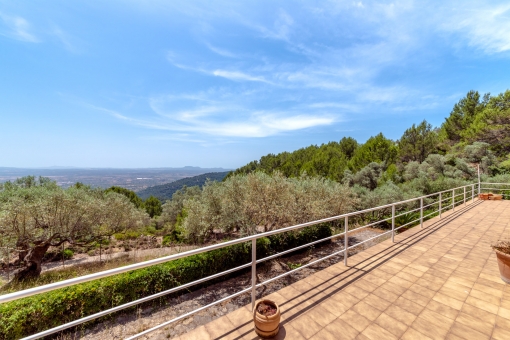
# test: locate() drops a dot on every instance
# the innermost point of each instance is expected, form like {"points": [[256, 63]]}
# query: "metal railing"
{"points": [[452, 198], [499, 188]]}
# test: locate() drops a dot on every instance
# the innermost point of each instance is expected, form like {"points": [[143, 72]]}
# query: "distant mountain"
{"points": [[135, 179], [165, 191]]}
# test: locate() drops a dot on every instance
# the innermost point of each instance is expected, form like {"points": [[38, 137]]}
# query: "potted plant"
{"points": [[266, 317], [502, 249]]}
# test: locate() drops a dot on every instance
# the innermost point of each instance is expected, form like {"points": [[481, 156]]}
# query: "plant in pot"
{"points": [[502, 249], [266, 317]]}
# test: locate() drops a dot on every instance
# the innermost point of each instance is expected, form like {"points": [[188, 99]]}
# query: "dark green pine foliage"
{"points": [[417, 143]]}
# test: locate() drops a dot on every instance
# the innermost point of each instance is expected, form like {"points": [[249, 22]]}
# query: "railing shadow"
{"points": [[338, 282]]}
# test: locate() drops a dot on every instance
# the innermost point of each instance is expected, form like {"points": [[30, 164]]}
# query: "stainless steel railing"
{"points": [[451, 195], [497, 187]]}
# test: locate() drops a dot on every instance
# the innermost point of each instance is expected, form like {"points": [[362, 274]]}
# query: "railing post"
{"points": [[346, 240], [421, 212], [479, 186], [253, 272], [8, 265], [473, 193], [464, 196], [393, 223], [440, 203], [453, 199]]}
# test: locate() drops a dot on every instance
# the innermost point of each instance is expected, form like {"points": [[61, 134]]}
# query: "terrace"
{"points": [[438, 282]]}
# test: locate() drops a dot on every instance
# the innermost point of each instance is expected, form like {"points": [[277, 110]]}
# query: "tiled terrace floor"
{"points": [[439, 282]]}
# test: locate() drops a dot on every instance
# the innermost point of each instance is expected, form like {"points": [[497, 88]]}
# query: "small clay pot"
{"points": [[266, 326], [504, 265]]}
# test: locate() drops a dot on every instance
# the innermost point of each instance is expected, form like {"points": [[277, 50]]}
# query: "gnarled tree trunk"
{"points": [[33, 261]]}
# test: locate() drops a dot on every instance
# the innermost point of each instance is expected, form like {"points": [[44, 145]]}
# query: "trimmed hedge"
{"points": [[40, 312]]}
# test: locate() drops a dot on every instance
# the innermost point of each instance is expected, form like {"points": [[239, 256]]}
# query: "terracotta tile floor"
{"points": [[439, 282]]}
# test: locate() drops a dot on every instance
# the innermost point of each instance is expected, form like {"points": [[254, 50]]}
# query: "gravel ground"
{"points": [[127, 324]]}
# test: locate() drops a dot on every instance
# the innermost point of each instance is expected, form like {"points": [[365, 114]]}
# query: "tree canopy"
{"points": [[35, 215]]}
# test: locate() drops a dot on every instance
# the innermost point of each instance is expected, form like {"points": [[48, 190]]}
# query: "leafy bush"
{"points": [[67, 254], [33, 314], [128, 235], [177, 235]]}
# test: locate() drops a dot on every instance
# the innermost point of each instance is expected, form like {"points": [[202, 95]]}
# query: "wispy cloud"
{"points": [[64, 38], [16, 27], [221, 51], [221, 120], [484, 26], [237, 76]]}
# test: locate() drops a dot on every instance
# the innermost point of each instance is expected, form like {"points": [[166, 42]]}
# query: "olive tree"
{"points": [[34, 218], [262, 202]]}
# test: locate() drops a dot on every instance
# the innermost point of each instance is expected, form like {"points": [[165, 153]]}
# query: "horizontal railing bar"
{"points": [[495, 189], [404, 213], [431, 213], [403, 225], [301, 267], [494, 183], [369, 225], [413, 210], [131, 304], [370, 239], [297, 248], [431, 204], [189, 314]]}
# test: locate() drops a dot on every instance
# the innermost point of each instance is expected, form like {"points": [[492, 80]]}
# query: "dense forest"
{"points": [[476, 131]]}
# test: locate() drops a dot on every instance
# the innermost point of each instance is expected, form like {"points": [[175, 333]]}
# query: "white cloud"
{"points": [[220, 51], [237, 76], [221, 119], [17, 28], [64, 38], [484, 26]]}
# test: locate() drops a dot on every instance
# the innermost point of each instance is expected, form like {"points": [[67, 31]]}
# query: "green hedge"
{"points": [[37, 313]]}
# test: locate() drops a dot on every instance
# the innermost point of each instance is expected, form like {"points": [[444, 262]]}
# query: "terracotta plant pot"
{"points": [[504, 265], [484, 196], [266, 326]]}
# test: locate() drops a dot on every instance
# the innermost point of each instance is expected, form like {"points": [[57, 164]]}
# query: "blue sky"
{"points": [[221, 83]]}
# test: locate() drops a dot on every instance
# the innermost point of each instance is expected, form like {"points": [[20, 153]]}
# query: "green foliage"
{"points": [[417, 143], [176, 235], [462, 115], [294, 265], [127, 235], [153, 206], [165, 191], [133, 197], [376, 149], [67, 254], [33, 314], [367, 177], [328, 161], [172, 210], [258, 201]]}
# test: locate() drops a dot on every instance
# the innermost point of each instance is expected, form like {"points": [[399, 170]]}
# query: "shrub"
{"points": [[67, 254], [128, 235]]}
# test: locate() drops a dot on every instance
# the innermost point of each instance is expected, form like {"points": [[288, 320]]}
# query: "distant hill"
{"points": [[165, 191], [134, 179]]}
